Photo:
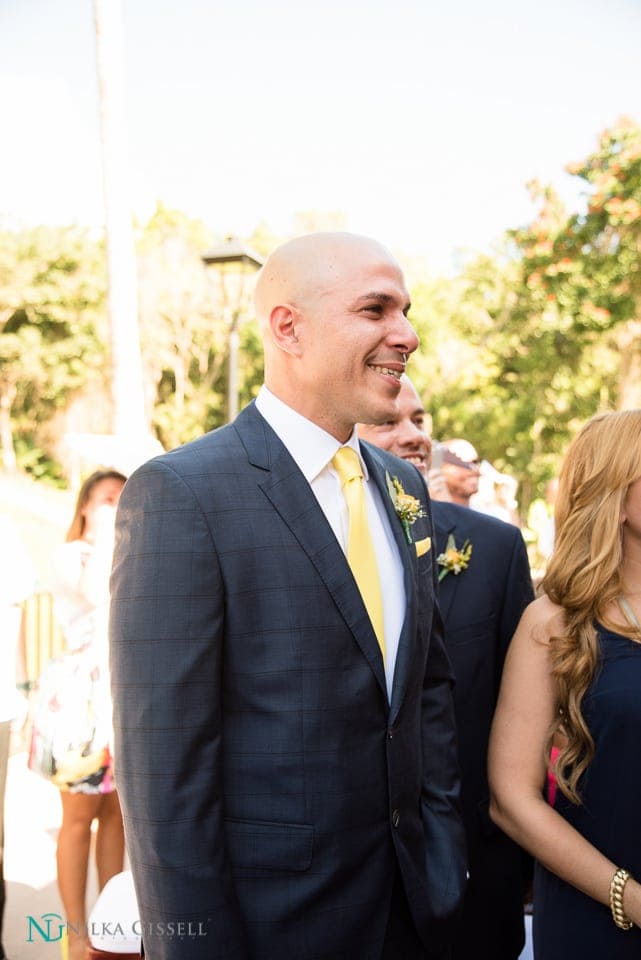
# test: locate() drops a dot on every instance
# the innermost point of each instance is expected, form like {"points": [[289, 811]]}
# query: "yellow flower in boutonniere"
{"points": [[454, 560], [408, 508]]}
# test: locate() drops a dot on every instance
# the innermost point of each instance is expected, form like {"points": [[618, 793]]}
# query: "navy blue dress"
{"points": [[568, 925]]}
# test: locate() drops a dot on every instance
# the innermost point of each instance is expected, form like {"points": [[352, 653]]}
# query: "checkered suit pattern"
{"points": [[268, 787]]}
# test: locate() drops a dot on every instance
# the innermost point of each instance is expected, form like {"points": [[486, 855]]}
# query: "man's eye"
{"points": [[373, 308]]}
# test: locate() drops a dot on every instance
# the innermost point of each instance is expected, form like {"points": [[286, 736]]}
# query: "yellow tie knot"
{"points": [[347, 465]]}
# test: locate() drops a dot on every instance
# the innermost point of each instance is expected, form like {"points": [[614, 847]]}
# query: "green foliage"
{"points": [[186, 313], [527, 344], [251, 362], [516, 351], [52, 289], [38, 462]]}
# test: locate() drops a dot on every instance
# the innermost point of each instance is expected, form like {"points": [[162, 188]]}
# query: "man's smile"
{"points": [[395, 371]]}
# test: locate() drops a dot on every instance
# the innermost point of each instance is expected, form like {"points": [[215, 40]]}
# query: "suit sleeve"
{"points": [[518, 593], [445, 837], [167, 617]]}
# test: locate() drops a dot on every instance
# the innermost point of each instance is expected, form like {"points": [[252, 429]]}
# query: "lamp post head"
{"points": [[232, 261], [232, 251]]}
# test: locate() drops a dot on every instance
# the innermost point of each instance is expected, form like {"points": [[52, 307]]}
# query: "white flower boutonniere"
{"points": [[454, 559], [408, 508]]}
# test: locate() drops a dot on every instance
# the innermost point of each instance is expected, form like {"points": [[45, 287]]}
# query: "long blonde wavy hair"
{"points": [[584, 573]]}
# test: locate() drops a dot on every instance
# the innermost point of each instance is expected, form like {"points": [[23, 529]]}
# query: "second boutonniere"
{"points": [[408, 508], [454, 559]]}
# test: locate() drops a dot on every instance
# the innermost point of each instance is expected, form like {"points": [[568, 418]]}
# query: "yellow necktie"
{"points": [[360, 546]]}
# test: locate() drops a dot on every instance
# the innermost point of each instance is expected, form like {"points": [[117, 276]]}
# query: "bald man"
{"points": [[286, 763]]}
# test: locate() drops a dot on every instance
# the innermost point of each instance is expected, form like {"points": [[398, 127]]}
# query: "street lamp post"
{"points": [[232, 258]]}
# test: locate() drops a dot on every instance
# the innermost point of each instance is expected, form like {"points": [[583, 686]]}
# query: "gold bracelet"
{"points": [[617, 886]]}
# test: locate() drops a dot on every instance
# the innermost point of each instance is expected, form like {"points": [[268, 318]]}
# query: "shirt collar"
{"points": [[311, 447]]}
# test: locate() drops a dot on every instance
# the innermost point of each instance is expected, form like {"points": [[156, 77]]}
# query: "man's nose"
{"points": [[410, 433], [404, 335]]}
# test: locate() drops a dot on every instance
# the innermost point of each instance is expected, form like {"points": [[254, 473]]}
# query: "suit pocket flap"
{"points": [[261, 844], [422, 546]]}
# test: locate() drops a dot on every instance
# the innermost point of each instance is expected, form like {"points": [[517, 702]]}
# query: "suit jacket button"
{"points": [[396, 817]]}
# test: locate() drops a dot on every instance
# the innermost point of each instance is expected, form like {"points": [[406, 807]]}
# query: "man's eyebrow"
{"points": [[383, 298]]}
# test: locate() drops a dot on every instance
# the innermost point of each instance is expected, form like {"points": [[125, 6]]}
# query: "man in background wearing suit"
{"points": [[284, 729], [480, 606]]}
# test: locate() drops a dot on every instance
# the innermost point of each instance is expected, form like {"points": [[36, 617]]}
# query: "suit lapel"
{"points": [[444, 525], [292, 497], [407, 555]]}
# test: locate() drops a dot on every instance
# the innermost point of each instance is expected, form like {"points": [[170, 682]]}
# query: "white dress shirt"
{"points": [[312, 449]]}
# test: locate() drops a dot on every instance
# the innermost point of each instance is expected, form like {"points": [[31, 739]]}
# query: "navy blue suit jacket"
{"points": [[269, 790], [481, 607]]}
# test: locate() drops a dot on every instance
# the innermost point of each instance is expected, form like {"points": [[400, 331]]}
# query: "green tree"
{"points": [[183, 349], [598, 254], [52, 289], [185, 311], [546, 331]]}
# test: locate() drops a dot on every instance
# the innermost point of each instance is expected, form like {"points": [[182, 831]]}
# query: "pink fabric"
{"points": [[551, 784]]}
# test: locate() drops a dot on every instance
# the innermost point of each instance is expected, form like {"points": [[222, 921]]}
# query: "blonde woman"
{"points": [[574, 671], [81, 597]]}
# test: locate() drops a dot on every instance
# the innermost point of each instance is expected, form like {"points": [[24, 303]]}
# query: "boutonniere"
{"points": [[455, 559], [408, 508]]}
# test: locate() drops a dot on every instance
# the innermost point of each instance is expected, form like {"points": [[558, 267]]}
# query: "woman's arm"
{"points": [[81, 571], [93, 583], [517, 767]]}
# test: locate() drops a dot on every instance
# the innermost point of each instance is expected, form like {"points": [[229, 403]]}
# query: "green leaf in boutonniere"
{"points": [[454, 560], [408, 509]]}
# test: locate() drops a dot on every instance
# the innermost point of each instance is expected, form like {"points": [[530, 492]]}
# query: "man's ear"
{"points": [[284, 321]]}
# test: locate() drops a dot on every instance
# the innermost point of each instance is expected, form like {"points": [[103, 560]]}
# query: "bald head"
{"points": [[333, 314], [306, 269]]}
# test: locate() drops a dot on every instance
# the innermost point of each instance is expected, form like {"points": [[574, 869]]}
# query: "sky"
{"points": [[421, 121]]}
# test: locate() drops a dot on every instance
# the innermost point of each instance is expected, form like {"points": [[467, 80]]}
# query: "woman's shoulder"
{"points": [[542, 618]]}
